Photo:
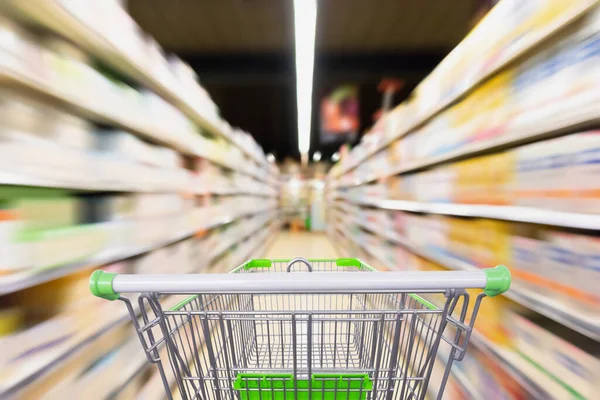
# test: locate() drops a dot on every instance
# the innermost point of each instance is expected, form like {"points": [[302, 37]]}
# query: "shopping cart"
{"points": [[302, 329]]}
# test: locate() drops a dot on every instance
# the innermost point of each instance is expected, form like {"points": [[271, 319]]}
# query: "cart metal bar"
{"points": [[303, 282]]}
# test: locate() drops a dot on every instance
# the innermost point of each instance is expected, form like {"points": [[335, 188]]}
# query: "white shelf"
{"points": [[506, 60], [52, 16], [506, 213], [18, 281], [235, 191], [16, 179], [9, 178]]}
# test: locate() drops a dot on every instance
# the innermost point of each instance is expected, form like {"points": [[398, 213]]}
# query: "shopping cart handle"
{"points": [[299, 260], [493, 281]]}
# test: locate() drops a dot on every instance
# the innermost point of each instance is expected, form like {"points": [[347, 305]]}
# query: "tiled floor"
{"points": [[301, 244]]}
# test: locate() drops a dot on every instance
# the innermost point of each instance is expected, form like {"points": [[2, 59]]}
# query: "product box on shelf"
{"points": [[12, 320], [585, 171], [588, 275], [562, 258], [552, 88], [551, 347], [526, 262], [494, 243], [490, 379], [400, 223], [493, 319], [63, 295]]}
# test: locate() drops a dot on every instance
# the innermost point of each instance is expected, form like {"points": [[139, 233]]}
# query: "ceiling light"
{"points": [[335, 157], [317, 156], [270, 157], [305, 23]]}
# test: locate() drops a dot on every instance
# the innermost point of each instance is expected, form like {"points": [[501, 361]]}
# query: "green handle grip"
{"points": [[101, 285], [498, 280]]}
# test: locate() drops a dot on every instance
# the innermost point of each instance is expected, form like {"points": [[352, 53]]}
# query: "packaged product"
{"points": [[568, 357], [503, 177], [395, 154], [13, 256], [494, 243], [11, 320], [526, 263], [587, 279], [562, 257], [492, 318], [493, 382], [586, 172], [63, 295]]}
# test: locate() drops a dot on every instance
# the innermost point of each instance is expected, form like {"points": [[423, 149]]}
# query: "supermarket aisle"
{"points": [[301, 244]]}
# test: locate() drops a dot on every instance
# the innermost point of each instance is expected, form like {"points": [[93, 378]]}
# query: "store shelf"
{"points": [[465, 384], [578, 321], [19, 281], [234, 191], [133, 368], [506, 213], [587, 116], [24, 376], [13, 386], [534, 381], [82, 107], [501, 63], [217, 253], [460, 378], [260, 247], [53, 16], [530, 378], [8, 178]]}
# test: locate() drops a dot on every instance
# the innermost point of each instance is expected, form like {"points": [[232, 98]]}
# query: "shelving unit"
{"points": [[26, 279], [526, 375], [364, 190], [13, 386], [222, 201], [54, 17], [573, 318], [527, 45], [586, 116], [22, 378]]}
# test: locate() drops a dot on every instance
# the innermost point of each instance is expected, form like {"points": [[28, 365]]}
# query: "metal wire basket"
{"points": [[303, 329]]}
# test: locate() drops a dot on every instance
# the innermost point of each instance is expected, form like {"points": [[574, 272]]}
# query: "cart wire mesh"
{"points": [[269, 345]]}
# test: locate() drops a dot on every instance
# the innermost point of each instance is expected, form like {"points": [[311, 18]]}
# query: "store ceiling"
{"points": [[243, 53], [224, 26]]}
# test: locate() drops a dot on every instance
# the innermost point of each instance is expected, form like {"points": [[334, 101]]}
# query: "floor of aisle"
{"points": [[289, 245]]}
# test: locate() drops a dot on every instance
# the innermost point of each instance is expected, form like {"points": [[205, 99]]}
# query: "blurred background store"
{"points": [[187, 136]]}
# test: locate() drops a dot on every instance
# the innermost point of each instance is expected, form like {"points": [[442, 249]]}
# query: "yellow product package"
{"points": [[500, 175], [494, 237], [491, 319]]}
